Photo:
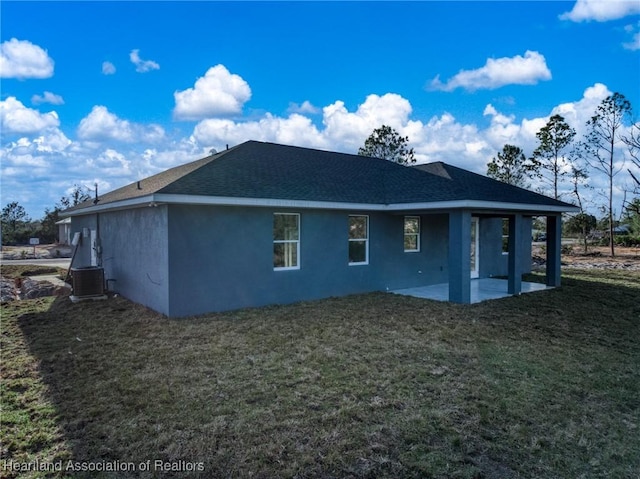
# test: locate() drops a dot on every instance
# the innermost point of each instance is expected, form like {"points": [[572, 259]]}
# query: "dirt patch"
{"points": [[30, 282], [8, 290], [45, 251], [596, 257], [28, 288]]}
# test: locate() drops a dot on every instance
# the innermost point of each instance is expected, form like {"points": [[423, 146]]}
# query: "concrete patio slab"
{"points": [[481, 290]]}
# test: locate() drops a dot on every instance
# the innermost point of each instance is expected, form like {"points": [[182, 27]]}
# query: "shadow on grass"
{"points": [[542, 385]]}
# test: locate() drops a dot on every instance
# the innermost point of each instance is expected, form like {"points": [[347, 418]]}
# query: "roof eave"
{"points": [[306, 204], [486, 205], [156, 199], [138, 202]]}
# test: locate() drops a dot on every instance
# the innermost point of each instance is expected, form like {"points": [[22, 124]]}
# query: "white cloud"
{"points": [[142, 66], [154, 161], [17, 118], [349, 130], [52, 142], [502, 129], [108, 68], [343, 130], [48, 143], [47, 97], [29, 161], [496, 117], [150, 133], [577, 113], [217, 93], [601, 10], [22, 59], [296, 130], [489, 110], [110, 163], [119, 151], [305, 107], [28, 166], [498, 72], [102, 125], [442, 138], [505, 129], [634, 31]]}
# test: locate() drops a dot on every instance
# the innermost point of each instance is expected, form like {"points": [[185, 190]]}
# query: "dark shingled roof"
{"points": [[271, 171], [145, 187], [482, 188], [267, 170]]}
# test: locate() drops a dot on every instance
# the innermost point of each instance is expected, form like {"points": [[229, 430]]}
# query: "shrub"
{"points": [[626, 240], [566, 249]]}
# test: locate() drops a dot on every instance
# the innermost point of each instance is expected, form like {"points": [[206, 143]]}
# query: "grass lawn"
{"points": [[543, 385]]}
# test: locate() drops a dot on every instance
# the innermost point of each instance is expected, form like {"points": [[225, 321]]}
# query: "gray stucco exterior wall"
{"points": [[134, 253], [184, 260], [493, 262], [221, 258], [83, 225]]}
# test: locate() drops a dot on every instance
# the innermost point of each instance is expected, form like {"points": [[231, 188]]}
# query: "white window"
{"points": [[411, 233], [505, 236], [286, 241], [358, 239]]}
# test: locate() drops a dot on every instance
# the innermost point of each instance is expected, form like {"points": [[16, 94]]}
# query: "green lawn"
{"points": [[543, 385]]}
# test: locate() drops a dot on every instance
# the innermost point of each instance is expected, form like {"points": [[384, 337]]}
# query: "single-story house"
{"points": [[622, 230], [262, 223], [64, 231]]}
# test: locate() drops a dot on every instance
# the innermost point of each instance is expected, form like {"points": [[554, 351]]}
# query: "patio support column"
{"points": [[514, 283], [554, 248], [460, 256]]}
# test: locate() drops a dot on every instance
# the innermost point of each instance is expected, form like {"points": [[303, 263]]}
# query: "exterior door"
{"points": [[475, 247]]}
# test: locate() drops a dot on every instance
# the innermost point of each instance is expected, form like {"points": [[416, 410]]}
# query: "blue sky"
{"points": [[112, 92]]}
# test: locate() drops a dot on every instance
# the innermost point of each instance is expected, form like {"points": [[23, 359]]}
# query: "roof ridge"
{"points": [[308, 148]]}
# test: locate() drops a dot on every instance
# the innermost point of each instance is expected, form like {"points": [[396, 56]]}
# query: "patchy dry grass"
{"points": [[22, 270], [378, 385], [29, 425]]}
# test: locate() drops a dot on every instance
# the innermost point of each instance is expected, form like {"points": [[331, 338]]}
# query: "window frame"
{"points": [[365, 239], [504, 247], [297, 242], [417, 234]]}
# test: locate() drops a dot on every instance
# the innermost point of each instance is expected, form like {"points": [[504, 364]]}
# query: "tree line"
{"points": [[18, 227], [557, 160], [560, 160]]}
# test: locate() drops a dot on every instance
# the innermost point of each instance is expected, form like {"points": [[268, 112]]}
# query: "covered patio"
{"points": [[480, 290], [472, 264]]}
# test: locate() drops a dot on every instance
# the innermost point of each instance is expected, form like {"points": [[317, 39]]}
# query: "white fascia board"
{"points": [[481, 205], [151, 200], [265, 202], [279, 203], [116, 205]]}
